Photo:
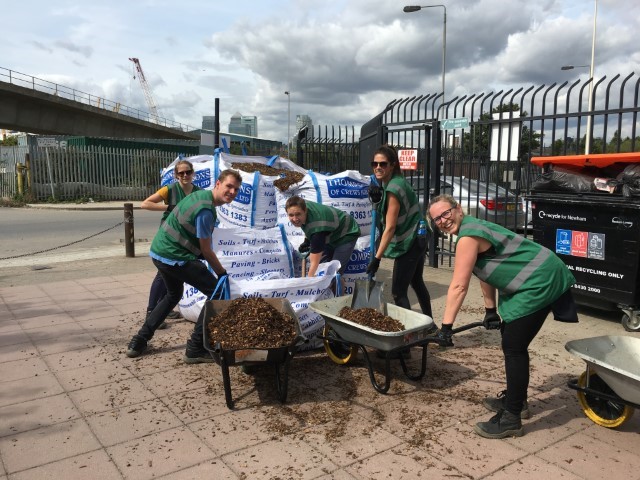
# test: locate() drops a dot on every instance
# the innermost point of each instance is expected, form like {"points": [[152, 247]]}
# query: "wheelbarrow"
{"points": [[609, 389], [344, 338], [279, 357]]}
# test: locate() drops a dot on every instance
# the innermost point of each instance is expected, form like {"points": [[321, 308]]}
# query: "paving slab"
{"points": [[68, 392]]}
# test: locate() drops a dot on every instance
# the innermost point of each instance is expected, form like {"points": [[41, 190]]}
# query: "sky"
{"points": [[342, 61]]}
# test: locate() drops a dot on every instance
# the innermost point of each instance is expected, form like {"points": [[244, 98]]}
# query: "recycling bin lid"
{"points": [[591, 160]]}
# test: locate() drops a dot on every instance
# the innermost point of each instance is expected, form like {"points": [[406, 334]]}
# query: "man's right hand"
{"points": [[304, 248]]}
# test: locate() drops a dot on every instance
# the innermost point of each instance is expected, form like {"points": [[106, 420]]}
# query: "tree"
{"points": [[9, 141]]}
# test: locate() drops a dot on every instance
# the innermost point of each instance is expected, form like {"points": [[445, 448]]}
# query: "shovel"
{"points": [[368, 293]]}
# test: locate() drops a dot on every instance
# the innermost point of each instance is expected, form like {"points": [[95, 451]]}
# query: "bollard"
{"points": [[20, 178], [129, 237]]}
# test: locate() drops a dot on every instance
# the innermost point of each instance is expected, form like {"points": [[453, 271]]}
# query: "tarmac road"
{"points": [[28, 230]]}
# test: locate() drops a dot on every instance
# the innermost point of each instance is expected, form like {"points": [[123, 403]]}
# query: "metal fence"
{"points": [[82, 173], [489, 138], [328, 149], [9, 157]]}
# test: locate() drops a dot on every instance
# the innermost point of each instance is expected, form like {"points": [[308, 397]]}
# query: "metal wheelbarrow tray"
{"points": [[418, 327], [278, 356], [609, 389]]}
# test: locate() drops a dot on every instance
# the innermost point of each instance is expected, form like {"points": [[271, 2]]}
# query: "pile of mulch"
{"points": [[287, 177], [370, 317], [252, 323]]}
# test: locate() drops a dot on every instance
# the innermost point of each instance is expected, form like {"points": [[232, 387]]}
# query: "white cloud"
{"points": [[343, 61]]}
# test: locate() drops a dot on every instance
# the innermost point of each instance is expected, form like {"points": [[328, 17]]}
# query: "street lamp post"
{"points": [[415, 8], [587, 142], [288, 94]]}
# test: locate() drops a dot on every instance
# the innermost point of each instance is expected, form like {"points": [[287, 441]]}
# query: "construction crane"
{"points": [[145, 88]]}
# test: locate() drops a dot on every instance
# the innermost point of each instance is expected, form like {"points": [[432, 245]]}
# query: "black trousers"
{"points": [[407, 271], [516, 337], [196, 274]]}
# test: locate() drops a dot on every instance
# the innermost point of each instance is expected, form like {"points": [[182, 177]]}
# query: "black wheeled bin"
{"points": [[598, 238]]}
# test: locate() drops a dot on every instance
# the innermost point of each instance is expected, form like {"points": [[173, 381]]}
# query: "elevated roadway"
{"points": [[33, 105]]}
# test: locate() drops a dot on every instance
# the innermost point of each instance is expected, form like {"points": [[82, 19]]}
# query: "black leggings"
{"points": [[407, 270], [516, 337]]}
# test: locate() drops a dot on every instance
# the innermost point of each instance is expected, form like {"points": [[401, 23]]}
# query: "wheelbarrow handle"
{"points": [[469, 326]]}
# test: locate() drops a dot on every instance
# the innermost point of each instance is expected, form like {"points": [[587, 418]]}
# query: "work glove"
{"points": [[491, 320], [305, 248], [373, 266], [170, 207], [444, 336], [375, 194]]}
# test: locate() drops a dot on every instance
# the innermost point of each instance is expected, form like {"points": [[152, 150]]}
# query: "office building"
{"points": [[244, 125], [209, 122], [303, 121]]}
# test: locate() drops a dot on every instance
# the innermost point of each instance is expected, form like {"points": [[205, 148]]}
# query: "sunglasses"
{"points": [[379, 164], [184, 172], [443, 216]]}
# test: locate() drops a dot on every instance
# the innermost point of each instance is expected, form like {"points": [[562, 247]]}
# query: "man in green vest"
{"points": [[182, 240], [530, 281]]}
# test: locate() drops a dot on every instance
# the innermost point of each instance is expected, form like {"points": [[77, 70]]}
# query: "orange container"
{"points": [[599, 160]]}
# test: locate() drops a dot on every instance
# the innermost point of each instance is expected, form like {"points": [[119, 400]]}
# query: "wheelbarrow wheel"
{"points": [[631, 324], [338, 352], [601, 411]]}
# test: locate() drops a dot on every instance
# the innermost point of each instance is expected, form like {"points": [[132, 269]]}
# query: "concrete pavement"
{"points": [[72, 405]]}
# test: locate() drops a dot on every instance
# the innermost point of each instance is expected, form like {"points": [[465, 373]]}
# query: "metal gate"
{"points": [[478, 146]]}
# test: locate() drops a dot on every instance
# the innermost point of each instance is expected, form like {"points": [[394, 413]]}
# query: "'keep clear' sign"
{"points": [[408, 159]]}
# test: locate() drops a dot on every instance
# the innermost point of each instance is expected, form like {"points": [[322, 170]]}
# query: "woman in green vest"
{"points": [[330, 234], [165, 200], [530, 281], [399, 213]]}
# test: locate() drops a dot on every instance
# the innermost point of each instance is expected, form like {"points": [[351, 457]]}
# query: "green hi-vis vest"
{"points": [[408, 217], [342, 228], [176, 193], [526, 275], [176, 238]]}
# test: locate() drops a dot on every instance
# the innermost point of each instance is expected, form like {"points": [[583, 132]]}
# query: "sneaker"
{"points": [[201, 356], [163, 326], [136, 346], [495, 404], [502, 425], [174, 315]]}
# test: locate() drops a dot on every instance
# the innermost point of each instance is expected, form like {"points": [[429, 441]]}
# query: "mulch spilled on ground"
{"points": [[288, 177], [252, 323], [370, 317]]}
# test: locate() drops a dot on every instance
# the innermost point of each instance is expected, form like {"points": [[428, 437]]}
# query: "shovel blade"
{"points": [[368, 294]]}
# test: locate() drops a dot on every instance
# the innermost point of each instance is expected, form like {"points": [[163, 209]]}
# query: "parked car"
{"points": [[479, 199]]}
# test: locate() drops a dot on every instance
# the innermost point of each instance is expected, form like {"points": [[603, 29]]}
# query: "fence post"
{"points": [[129, 237]]}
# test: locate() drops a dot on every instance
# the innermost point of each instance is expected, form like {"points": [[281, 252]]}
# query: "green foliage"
{"points": [[10, 141]]}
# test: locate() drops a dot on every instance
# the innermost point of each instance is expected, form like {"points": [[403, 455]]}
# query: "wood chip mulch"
{"points": [[252, 323], [288, 177], [370, 317]]}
